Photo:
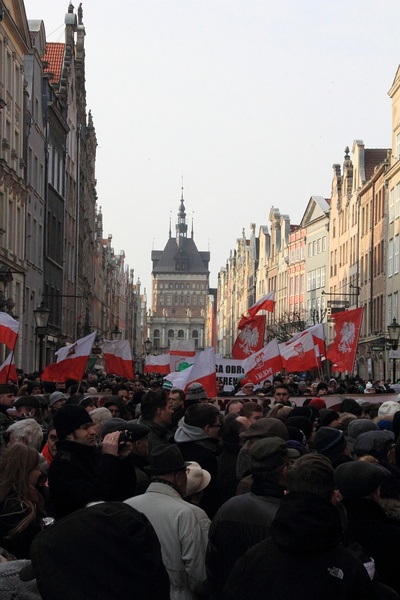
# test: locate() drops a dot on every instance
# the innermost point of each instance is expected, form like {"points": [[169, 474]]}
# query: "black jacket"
{"points": [[78, 475], [239, 524], [303, 559], [369, 526]]}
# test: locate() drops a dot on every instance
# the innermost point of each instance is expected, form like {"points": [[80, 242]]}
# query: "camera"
{"points": [[126, 436]]}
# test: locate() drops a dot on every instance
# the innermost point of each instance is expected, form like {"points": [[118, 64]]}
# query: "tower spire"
{"points": [[181, 226]]}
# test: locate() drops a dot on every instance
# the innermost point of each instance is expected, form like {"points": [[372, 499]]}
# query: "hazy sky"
{"points": [[251, 101]]}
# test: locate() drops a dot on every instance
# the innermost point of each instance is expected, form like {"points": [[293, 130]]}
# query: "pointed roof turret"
{"points": [[181, 226]]}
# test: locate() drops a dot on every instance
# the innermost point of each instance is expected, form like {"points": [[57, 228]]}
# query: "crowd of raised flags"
{"points": [[182, 366]]}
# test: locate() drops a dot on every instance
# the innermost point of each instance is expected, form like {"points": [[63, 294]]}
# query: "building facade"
{"points": [[180, 289]]}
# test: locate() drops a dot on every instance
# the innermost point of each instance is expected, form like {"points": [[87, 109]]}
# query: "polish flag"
{"points": [[71, 361], [318, 334], [267, 302], [8, 330], [8, 372], [342, 351], [264, 363], [298, 354], [118, 358], [202, 371], [181, 353], [250, 339], [157, 364]]}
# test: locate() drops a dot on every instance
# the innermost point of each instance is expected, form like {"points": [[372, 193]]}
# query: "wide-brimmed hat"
{"points": [[166, 458], [197, 479]]}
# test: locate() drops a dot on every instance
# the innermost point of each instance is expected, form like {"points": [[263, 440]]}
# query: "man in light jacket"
{"points": [[181, 527]]}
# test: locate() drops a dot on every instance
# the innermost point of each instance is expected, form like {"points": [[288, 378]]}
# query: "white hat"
{"points": [[388, 408], [197, 479]]}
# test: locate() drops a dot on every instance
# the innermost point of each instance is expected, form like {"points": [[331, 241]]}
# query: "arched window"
{"points": [[156, 338], [195, 335], [181, 334], [170, 333]]}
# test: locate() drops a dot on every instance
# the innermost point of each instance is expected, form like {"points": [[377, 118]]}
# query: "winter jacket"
{"points": [[158, 434], [369, 526], [197, 446], [103, 552], [303, 558], [78, 475], [12, 512], [239, 524], [182, 529]]}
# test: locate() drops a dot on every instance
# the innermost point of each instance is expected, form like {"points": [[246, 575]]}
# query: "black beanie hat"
{"points": [[329, 439], [68, 418]]}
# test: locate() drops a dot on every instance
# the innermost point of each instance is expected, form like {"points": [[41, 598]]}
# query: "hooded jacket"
{"points": [[197, 446], [304, 558]]}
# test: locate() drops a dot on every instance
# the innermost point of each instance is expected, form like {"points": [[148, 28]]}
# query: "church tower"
{"points": [[180, 287]]}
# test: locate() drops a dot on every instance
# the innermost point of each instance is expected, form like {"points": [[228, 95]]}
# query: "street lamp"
{"points": [[116, 333], [42, 315], [147, 346], [394, 334]]}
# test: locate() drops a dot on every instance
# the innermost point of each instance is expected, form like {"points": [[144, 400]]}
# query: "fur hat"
{"points": [[28, 401], [196, 392], [358, 479], [329, 439], [68, 418]]}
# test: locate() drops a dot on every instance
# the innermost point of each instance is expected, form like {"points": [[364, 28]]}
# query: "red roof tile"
{"points": [[54, 57], [373, 157]]}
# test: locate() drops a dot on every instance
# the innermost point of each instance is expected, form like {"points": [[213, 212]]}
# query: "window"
{"points": [[181, 334], [396, 255], [170, 333], [390, 258], [397, 201], [319, 246], [314, 247], [310, 249], [391, 205], [323, 276], [395, 305], [398, 146], [324, 244]]}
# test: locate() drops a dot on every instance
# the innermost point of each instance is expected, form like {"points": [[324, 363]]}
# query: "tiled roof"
{"points": [[164, 261], [373, 157], [54, 57]]}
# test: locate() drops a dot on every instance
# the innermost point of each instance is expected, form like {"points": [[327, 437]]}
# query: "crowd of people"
{"points": [[171, 494]]}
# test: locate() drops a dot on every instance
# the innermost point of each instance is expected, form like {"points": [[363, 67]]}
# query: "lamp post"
{"points": [[116, 333], [147, 346], [394, 334], [42, 315]]}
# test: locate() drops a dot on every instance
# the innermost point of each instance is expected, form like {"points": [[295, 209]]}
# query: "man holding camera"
{"points": [[79, 474]]}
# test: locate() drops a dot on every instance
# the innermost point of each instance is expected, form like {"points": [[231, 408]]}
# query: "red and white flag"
{"points": [[118, 358], [342, 351], [318, 334], [267, 302], [202, 370], [71, 361], [8, 372], [181, 351], [250, 339], [8, 330], [157, 364], [264, 363], [298, 354]]}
